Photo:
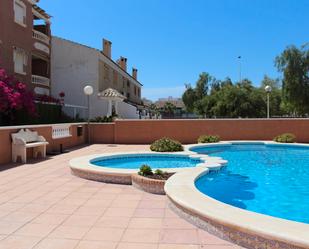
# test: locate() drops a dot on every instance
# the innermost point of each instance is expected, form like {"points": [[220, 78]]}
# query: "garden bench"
{"points": [[27, 139]]}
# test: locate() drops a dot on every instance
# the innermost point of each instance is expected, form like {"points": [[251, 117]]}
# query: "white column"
{"points": [[116, 107], [109, 111]]}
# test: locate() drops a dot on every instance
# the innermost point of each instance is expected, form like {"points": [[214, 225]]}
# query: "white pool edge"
{"points": [[181, 190]]}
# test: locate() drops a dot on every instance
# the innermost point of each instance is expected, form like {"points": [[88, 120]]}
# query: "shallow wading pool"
{"points": [[154, 161]]}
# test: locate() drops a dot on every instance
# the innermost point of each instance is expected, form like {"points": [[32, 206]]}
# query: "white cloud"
{"points": [[154, 93]]}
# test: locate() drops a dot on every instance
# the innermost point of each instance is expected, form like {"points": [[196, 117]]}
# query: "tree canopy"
{"points": [[215, 98]]}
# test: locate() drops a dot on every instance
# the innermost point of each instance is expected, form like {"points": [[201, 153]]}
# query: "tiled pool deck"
{"points": [[43, 206]]}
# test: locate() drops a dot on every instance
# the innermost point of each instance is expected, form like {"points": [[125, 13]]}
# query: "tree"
{"points": [[14, 96], [169, 108], [188, 98], [276, 105], [154, 111], [202, 85], [294, 64]]}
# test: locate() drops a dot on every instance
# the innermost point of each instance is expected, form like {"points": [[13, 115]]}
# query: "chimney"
{"points": [[134, 73], [107, 48], [122, 62]]}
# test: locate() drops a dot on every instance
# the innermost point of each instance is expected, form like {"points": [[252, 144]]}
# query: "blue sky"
{"points": [[171, 42]]}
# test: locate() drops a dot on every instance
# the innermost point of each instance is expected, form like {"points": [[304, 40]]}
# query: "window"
{"points": [[139, 92], [20, 12], [106, 72], [134, 90], [20, 60], [128, 95], [115, 77], [128, 83]]}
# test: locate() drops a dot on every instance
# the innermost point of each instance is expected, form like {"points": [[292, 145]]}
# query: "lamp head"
{"points": [[268, 89], [88, 90]]}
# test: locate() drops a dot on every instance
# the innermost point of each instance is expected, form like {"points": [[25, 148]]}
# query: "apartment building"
{"points": [[75, 65], [25, 43]]}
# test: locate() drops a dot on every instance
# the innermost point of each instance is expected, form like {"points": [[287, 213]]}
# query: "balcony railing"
{"points": [[40, 36], [40, 80]]}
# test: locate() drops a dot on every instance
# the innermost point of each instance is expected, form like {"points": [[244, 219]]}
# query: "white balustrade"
{"points": [[61, 131], [40, 36], [36, 79]]}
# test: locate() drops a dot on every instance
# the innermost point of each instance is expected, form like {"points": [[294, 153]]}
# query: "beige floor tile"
{"points": [[90, 211], [177, 246], [18, 216], [105, 234], [8, 227], [96, 245], [116, 222], [19, 242], [141, 235], [56, 244], [127, 245], [119, 212], [38, 230], [140, 223], [80, 220], [52, 219], [69, 232]]}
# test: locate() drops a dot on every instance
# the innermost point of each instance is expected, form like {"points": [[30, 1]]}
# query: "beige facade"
{"points": [[114, 75]]}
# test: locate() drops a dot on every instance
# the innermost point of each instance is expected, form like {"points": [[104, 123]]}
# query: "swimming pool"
{"points": [[269, 179], [135, 161]]}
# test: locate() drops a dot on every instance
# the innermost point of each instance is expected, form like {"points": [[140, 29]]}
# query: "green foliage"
{"points": [[159, 172], [46, 114], [189, 98], [294, 63], [145, 170], [169, 108], [285, 138], [241, 99], [166, 145], [101, 119], [208, 139]]}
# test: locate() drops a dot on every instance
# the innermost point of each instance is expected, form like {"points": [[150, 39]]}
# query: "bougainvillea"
{"points": [[14, 96]]}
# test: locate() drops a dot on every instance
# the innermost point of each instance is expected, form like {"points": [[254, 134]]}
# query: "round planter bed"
{"points": [[150, 185]]}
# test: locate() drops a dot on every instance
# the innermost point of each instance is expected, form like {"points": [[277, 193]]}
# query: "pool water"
{"points": [[268, 179], [154, 161]]}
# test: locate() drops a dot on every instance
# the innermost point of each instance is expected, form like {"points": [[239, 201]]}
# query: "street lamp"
{"points": [[268, 91], [88, 90]]}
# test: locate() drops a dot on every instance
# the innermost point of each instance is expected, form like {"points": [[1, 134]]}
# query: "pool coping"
{"points": [[229, 221], [82, 167]]}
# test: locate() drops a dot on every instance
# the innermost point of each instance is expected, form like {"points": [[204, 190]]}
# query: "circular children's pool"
{"points": [[269, 179], [135, 161]]}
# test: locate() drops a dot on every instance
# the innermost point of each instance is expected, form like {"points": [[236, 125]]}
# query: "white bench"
{"points": [[27, 139]]}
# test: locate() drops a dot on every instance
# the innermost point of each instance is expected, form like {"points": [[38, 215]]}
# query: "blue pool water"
{"points": [[154, 161], [268, 179]]}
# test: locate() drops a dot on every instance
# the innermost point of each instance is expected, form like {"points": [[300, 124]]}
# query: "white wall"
{"points": [[74, 66], [127, 111]]}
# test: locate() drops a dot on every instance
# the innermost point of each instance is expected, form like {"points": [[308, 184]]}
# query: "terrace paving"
{"points": [[43, 206]]}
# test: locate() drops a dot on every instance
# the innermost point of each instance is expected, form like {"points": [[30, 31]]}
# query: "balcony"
{"points": [[40, 36], [40, 80]]}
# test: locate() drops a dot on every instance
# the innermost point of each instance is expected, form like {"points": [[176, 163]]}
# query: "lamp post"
{"points": [[268, 91], [239, 59], [88, 90]]}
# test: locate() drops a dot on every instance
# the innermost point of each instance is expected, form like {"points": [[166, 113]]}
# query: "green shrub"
{"points": [[285, 138], [145, 170], [166, 145], [208, 139], [101, 119], [159, 172]]}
